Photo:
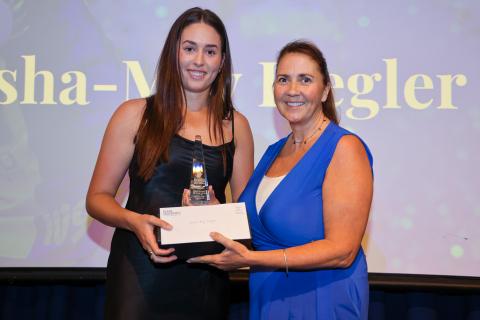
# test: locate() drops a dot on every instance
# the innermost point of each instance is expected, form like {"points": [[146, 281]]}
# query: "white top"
{"points": [[266, 187]]}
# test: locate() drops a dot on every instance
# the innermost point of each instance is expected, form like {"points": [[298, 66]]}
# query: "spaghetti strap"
{"points": [[233, 125]]}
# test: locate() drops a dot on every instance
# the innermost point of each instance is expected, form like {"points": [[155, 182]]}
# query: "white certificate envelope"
{"points": [[194, 224]]}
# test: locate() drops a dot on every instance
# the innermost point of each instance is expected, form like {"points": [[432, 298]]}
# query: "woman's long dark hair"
{"points": [[164, 118], [309, 49]]}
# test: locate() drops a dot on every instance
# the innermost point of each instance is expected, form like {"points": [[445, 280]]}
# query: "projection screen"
{"points": [[406, 80]]}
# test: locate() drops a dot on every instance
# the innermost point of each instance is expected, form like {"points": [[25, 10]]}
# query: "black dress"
{"points": [[137, 288]]}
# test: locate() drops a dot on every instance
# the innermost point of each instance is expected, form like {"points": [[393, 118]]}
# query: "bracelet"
{"points": [[286, 261]]}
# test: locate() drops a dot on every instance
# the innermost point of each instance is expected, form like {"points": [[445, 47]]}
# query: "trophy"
{"points": [[198, 182]]}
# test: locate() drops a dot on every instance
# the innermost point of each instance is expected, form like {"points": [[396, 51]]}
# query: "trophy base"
{"points": [[199, 202]]}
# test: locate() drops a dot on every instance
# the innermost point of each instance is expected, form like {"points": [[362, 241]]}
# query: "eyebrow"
{"points": [[194, 43], [300, 75], [305, 75]]}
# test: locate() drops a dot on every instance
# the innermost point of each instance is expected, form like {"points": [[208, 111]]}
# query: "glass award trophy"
{"points": [[198, 182]]}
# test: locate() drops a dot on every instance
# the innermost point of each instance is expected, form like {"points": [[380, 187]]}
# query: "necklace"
{"points": [[310, 136]]}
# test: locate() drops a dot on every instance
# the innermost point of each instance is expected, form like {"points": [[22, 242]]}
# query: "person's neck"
{"points": [[304, 131], [196, 102]]}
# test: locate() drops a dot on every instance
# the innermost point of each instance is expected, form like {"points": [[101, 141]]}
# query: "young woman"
{"points": [[152, 139], [308, 203]]}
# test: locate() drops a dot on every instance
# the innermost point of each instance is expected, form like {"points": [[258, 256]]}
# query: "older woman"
{"points": [[308, 203]]}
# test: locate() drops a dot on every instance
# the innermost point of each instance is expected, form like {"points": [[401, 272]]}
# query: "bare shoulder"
{"points": [[350, 148], [241, 122], [243, 132], [131, 109], [129, 114]]}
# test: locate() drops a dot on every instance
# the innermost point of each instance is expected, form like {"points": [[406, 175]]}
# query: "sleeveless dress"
{"points": [[137, 288], [292, 216]]}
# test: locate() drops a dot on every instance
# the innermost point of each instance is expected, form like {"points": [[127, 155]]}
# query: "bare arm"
{"points": [[243, 159], [112, 164], [347, 195]]}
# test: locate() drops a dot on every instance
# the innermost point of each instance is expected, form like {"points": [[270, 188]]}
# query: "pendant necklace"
{"points": [[310, 136]]}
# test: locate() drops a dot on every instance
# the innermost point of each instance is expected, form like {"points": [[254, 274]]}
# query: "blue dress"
{"points": [[293, 216]]}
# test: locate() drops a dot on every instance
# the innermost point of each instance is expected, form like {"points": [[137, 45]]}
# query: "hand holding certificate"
{"points": [[235, 256], [193, 225]]}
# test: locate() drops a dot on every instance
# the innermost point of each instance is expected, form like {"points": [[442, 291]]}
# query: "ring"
{"points": [[150, 252]]}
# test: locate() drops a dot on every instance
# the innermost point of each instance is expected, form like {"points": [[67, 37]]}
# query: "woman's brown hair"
{"points": [[309, 49], [164, 118]]}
